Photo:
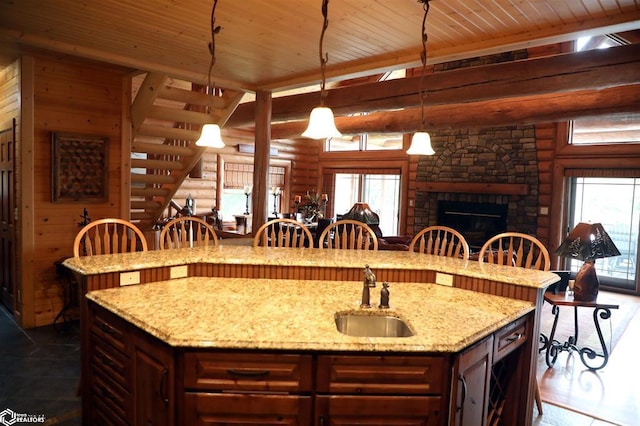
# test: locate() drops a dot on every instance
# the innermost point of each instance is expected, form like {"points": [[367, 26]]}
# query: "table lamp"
{"points": [[587, 242]]}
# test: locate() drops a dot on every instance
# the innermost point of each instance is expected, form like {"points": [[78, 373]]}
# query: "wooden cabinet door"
{"points": [[471, 381], [152, 383], [387, 410]]}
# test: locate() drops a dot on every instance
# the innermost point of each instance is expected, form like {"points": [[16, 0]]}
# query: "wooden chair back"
{"points": [[440, 241], [108, 236], [348, 234], [283, 233], [516, 249], [187, 231]]}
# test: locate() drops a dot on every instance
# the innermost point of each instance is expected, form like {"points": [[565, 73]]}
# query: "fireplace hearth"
{"points": [[477, 222]]}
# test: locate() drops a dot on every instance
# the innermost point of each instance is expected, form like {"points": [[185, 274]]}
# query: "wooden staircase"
{"points": [[166, 119]]}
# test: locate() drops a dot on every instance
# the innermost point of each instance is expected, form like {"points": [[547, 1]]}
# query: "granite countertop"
{"points": [[222, 254], [238, 313]]}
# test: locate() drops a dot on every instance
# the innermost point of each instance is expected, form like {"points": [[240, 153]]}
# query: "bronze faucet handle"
{"points": [[384, 296]]}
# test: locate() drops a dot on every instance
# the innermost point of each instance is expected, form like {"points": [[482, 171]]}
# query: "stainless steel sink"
{"points": [[354, 324]]}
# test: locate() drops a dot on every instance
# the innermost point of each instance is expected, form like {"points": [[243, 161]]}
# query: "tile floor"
{"points": [[39, 370]]}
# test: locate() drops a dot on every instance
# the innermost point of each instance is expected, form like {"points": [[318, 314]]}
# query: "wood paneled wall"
{"points": [[74, 97], [10, 92]]}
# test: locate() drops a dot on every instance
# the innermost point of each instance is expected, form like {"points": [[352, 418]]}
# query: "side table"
{"points": [[552, 347]]}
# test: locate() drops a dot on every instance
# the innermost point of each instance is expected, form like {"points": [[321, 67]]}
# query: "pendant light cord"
{"points": [[323, 58], [212, 49], [423, 58]]}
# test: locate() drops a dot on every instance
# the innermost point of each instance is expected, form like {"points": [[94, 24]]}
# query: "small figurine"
{"points": [[384, 296]]}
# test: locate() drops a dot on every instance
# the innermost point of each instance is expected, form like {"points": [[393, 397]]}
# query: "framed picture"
{"points": [[79, 167]]}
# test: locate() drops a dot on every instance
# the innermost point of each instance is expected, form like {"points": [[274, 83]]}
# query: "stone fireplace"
{"points": [[488, 171]]}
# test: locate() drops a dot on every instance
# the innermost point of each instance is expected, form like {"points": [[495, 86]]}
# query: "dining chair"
{"points": [[348, 234], [440, 241], [283, 233], [518, 250], [515, 249], [108, 236], [187, 231]]}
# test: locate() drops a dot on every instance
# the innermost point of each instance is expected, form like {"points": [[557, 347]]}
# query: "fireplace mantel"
{"points": [[474, 188]]}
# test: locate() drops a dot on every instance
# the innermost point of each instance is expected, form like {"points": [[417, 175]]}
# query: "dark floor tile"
{"points": [[39, 370]]}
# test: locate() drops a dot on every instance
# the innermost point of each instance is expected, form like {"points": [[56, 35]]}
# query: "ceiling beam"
{"points": [[595, 69], [498, 112]]}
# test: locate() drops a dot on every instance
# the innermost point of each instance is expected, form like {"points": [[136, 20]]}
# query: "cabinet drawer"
{"points": [[253, 372], [402, 375], [509, 338], [113, 364], [380, 410], [246, 409], [110, 328]]}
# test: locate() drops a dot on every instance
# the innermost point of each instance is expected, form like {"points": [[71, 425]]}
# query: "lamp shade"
{"points": [[588, 241], [321, 124], [210, 137], [362, 213], [421, 144]]}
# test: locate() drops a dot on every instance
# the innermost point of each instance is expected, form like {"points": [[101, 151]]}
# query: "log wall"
{"points": [[300, 157]]}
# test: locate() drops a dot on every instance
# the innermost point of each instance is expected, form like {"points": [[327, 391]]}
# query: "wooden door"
{"points": [[8, 282]]}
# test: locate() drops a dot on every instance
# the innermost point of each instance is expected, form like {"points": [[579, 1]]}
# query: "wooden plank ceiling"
{"points": [[273, 45]]}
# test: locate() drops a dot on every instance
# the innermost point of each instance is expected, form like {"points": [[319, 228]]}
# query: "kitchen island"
{"points": [[223, 350], [321, 270]]}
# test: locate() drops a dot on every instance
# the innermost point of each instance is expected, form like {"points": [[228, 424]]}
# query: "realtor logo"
{"points": [[9, 417]]}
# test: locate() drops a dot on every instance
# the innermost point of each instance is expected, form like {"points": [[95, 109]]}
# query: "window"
{"points": [[236, 177], [614, 202], [608, 129], [380, 191], [613, 129], [365, 142]]}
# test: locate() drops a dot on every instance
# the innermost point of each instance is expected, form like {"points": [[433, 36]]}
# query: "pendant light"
{"points": [[421, 141], [321, 122], [210, 136]]}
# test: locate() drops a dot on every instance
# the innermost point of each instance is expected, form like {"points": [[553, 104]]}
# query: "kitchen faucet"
{"points": [[369, 281]]}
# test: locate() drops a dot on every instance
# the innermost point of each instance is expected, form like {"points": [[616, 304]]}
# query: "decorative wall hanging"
{"points": [[79, 168]]}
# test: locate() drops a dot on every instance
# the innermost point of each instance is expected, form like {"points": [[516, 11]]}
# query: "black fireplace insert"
{"points": [[477, 222]]}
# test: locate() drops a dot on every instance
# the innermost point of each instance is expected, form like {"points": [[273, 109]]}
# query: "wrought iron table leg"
{"points": [[587, 354], [552, 345]]}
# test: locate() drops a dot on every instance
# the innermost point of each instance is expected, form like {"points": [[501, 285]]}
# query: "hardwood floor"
{"points": [[611, 394]]}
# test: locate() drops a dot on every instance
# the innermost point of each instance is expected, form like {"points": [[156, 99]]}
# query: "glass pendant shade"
{"points": [[210, 137], [421, 144], [321, 124]]}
